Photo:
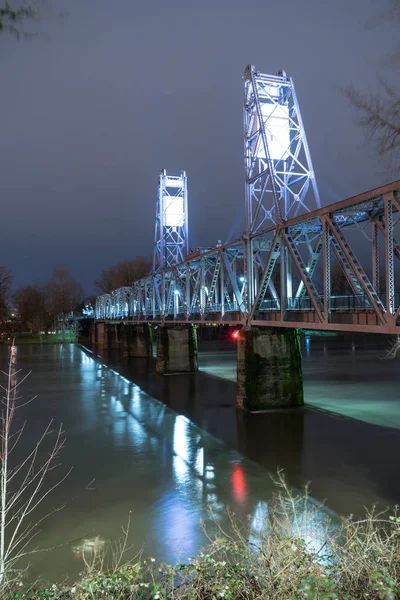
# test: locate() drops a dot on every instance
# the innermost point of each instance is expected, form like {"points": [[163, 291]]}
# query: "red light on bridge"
{"points": [[235, 334]]}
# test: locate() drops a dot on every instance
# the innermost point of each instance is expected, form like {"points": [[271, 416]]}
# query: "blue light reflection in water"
{"points": [[145, 458], [196, 482], [308, 521]]}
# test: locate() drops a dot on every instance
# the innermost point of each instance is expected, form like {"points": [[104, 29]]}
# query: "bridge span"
{"points": [[279, 276], [211, 285]]}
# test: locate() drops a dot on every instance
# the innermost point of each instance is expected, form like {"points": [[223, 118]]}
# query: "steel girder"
{"points": [[171, 231], [103, 307], [210, 286], [279, 176], [280, 272]]}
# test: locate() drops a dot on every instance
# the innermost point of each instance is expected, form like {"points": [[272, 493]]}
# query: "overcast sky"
{"points": [[118, 90]]}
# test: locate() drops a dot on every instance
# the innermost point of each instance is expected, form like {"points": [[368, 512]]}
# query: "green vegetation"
{"points": [[193, 347], [33, 338], [298, 555], [317, 333]]}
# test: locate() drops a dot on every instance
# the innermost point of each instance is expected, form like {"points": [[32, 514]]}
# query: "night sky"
{"points": [[118, 90]]}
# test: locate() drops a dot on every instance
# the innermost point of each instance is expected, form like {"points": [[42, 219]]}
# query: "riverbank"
{"points": [[20, 339], [290, 555]]}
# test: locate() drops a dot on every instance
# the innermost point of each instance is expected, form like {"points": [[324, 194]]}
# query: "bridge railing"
{"points": [[347, 302]]}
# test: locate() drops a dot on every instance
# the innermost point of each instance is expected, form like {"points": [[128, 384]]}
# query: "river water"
{"points": [[161, 450]]}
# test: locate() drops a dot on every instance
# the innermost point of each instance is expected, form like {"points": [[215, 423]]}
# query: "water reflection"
{"points": [[306, 520], [145, 457], [181, 438], [239, 483], [195, 478]]}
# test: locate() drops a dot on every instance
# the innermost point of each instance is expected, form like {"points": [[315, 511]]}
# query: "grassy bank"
{"points": [[294, 556], [48, 338]]}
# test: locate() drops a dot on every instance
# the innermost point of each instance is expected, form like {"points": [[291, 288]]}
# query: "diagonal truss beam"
{"points": [[357, 270], [298, 261]]}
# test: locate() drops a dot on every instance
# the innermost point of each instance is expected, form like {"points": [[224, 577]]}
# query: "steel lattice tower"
{"points": [[171, 233], [280, 180]]}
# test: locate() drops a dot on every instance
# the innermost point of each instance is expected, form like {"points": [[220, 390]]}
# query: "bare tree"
{"points": [[30, 302], [6, 278], [379, 112], [13, 20], [75, 328], [123, 273], [380, 115], [22, 484], [64, 293]]}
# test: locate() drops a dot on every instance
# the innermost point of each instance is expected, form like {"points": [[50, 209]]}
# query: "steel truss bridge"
{"points": [[280, 272]]}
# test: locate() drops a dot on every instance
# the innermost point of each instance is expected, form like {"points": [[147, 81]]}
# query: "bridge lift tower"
{"points": [[171, 233], [279, 177]]}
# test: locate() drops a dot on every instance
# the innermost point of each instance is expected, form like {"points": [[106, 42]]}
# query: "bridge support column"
{"points": [[92, 338], [269, 373], [112, 336], [176, 349], [122, 334], [101, 335], [139, 341]]}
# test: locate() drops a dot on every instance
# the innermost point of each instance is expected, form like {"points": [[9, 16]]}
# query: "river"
{"points": [[161, 450]]}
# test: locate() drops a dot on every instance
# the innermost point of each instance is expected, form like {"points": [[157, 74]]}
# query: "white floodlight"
{"points": [[174, 211], [276, 121]]}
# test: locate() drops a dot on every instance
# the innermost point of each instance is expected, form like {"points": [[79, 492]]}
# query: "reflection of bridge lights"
{"points": [[314, 528], [86, 360], [181, 442], [306, 522], [210, 474], [181, 470], [239, 483], [242, 279], [259, 522], [200, 461]]}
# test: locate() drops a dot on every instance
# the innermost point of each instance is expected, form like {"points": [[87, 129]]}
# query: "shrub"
{"points": [[298, 553]]}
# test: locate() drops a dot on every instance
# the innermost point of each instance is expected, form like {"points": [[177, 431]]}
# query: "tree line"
{"points": [[34, 307]]}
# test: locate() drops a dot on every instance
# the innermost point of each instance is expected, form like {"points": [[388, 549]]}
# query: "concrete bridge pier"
{"points": [[101, 335], [138, 341], [269, 373], [176, 349], [122, 336], [112, 336], [92, 334]]}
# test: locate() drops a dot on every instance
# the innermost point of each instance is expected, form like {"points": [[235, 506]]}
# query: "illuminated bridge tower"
{"points": [[279, 176], [171, 234], [176, 346], [280, 185]]}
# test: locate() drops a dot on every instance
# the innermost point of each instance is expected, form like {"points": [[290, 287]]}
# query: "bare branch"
{"points": [[13, 19], [18, 505]]}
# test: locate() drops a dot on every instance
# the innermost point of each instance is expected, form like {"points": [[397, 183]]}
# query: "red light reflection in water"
{"points": [[239, 487]]}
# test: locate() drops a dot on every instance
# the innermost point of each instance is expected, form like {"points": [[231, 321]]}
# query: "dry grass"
{"points": [[292, 551]]}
